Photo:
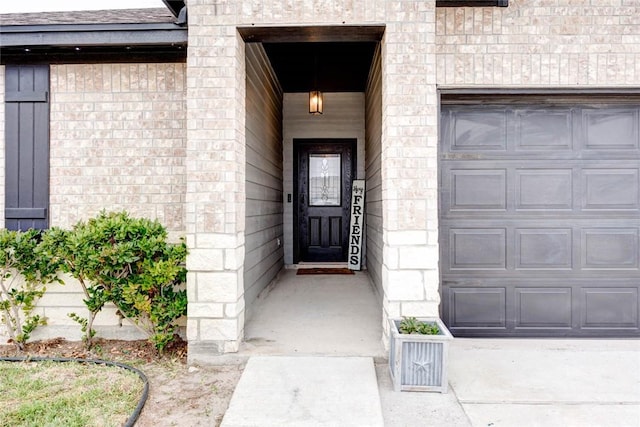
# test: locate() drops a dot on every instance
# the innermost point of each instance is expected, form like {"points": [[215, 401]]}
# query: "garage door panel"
{"points": [[611, 189], [478, 131], [546, 189], [540, 232], [610, 308], [478, 249], [610, 248], [478, 307], [478, 189], [509, 187], [543, 129], [611, 128], [544, 248], [543, 308]]}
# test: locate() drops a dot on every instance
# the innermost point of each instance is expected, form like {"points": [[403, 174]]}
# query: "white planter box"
{"points": [[419, 362]]}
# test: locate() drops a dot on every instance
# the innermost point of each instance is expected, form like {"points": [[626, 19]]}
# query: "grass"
{"points": [[66, 394]]}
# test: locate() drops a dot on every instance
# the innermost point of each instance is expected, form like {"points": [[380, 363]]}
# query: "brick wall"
{"points": [[410, 275], [540, 42], [118, 141]]}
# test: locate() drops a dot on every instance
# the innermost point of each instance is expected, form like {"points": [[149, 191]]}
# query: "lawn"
{"points": [[66, 394]]}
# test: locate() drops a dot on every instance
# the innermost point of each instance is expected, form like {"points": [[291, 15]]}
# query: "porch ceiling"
{"points": [[337, 58], [334, 66]]}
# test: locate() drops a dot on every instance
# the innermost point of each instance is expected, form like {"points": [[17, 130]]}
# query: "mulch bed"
{"points": [[102, 349]]}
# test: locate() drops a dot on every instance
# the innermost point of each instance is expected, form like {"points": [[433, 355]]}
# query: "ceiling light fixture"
{"points": [[315, 95]]}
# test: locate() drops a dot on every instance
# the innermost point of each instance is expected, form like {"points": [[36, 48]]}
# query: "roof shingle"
{"points": [[122, 16]]}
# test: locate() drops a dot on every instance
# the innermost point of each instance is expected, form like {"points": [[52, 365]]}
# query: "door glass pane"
{"points": [[324, 179]]}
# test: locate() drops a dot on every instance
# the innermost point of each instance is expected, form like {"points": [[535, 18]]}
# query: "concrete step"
{"points": [[306, 391]]}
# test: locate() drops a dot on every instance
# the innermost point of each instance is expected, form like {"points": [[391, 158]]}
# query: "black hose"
{"points": [[145, 381]]}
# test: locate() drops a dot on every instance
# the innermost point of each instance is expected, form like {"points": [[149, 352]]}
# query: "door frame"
{"points": [[297, 142]]}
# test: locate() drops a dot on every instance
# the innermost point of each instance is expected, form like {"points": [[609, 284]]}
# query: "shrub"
{"points": [[126, 261], [25, 269], [411, 325]]}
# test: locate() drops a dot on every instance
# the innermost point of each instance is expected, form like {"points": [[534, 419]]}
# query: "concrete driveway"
{"points": [[520, 383]]}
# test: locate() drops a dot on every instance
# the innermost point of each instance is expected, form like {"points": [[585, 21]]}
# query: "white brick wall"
{"points": [[409, 145], [118, 142], [216, 160], [540, 43]]}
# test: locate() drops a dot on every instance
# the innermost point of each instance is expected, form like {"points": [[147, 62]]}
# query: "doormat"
{"points": [[325, 271]]}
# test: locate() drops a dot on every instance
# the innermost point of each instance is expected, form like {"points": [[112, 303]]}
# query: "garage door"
{"points": [[540, 219]]}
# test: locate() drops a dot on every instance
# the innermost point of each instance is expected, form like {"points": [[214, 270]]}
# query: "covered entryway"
{"points": [[540, 216]]}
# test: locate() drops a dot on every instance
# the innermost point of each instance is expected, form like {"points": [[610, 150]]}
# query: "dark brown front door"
{"points": [[323, 173]]}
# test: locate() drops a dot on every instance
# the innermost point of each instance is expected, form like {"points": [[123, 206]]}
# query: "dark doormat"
{"points": [[325, 271]]}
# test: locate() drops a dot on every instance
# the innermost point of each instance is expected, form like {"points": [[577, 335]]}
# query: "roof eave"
{"points": [[92, 35]]}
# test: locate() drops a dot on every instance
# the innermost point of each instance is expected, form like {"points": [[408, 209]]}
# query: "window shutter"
{"points": [[26, 147]]}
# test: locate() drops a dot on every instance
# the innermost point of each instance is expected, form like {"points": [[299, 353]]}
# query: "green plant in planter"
{"points": [[24, 271], [411, 325]]}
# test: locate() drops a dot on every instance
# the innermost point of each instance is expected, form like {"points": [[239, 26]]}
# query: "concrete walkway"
{"points": [[280, 391], [493, 382]]}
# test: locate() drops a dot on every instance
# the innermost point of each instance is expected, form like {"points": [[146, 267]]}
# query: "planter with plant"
{"points": [[418, 354]]}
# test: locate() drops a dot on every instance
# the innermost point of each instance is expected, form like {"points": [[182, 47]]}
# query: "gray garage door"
{"points": [[540, 219]]}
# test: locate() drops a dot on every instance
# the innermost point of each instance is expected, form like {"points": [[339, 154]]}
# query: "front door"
{"points": [[323, 173]]}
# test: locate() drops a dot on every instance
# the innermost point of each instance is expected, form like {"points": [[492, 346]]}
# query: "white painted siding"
{"points": [[263, 235], [343, 118], [373, 199]]}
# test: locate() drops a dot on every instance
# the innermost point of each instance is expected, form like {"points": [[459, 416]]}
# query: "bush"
{"points": [[126, 261], [25, 269]]}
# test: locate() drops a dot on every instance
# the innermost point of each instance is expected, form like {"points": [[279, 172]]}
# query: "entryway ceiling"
{"points": [[334, 66], [343, 55]]}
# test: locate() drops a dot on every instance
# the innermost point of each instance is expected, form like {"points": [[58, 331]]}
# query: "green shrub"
{"points": [[126, 261], [25, 269]]}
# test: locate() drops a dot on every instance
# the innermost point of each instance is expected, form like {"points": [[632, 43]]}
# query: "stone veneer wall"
{"points": [[540, 43], [216, 105]]}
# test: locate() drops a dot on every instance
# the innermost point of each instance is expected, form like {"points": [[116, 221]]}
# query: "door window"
{"points": [[324, 179]]}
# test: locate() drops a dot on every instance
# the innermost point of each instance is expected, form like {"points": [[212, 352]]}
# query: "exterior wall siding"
{"points": [[118, 142], [540, 43], [264, 235], [343, 117], [373, 167]]}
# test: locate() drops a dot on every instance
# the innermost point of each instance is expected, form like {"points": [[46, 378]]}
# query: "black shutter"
{"points": [[26, 147]]}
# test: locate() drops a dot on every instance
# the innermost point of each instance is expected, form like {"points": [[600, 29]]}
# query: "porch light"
{"points": [[315, 96], [315, 102]]}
